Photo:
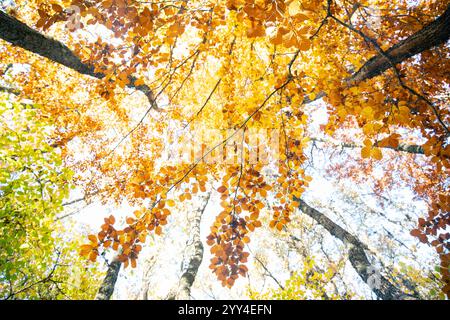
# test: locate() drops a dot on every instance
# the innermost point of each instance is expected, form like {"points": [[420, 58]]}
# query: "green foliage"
{"points": [[37, 260], [309, 283], [427, 284]]}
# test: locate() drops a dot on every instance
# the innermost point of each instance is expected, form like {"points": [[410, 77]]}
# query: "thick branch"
{"points": [[403, 147], [357, 256], [9, 90], [19, 34], [107, 287], [432, 35]]}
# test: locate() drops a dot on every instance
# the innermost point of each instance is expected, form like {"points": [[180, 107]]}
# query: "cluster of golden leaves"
{"points": [[240, 192], [285, 17]]}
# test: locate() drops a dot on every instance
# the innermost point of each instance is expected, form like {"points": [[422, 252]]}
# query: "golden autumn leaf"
{"points": [[366, 152], [170, 203], [294, 7], [222, 189], [93, 256], [85, 249], [367, 112], [256, 30], [290, 40], [376, 153], [304, 44], [277, 38]]}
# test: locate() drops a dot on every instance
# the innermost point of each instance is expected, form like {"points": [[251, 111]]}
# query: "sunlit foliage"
{"points": [[236, 66]]}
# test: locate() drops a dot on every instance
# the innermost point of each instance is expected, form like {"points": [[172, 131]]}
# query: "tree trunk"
{"points": [[149, 265], [107, 287], [357, 256], [183, 291], [19, 34]]}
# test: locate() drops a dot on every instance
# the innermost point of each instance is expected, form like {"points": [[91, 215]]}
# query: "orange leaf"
{"points": [[93, 256], [85, 249]]}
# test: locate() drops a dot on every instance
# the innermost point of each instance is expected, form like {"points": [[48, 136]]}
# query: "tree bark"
{"points": [[432, 35], [183, 291], [149, 265], [107, 287], [19, 34], [403, 147], [357, 256], [9, 90]]}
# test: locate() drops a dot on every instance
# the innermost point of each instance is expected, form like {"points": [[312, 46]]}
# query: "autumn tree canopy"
{"points": [[164, 103]]}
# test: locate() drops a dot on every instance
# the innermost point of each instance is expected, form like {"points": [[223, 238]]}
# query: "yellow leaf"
{"points": [[170, 203], [365, 152], [294, 8], [368, 129], [367, 112], [376, 153]]}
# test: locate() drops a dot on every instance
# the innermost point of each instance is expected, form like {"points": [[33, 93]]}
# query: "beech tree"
{"points": [[159, 103]]}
